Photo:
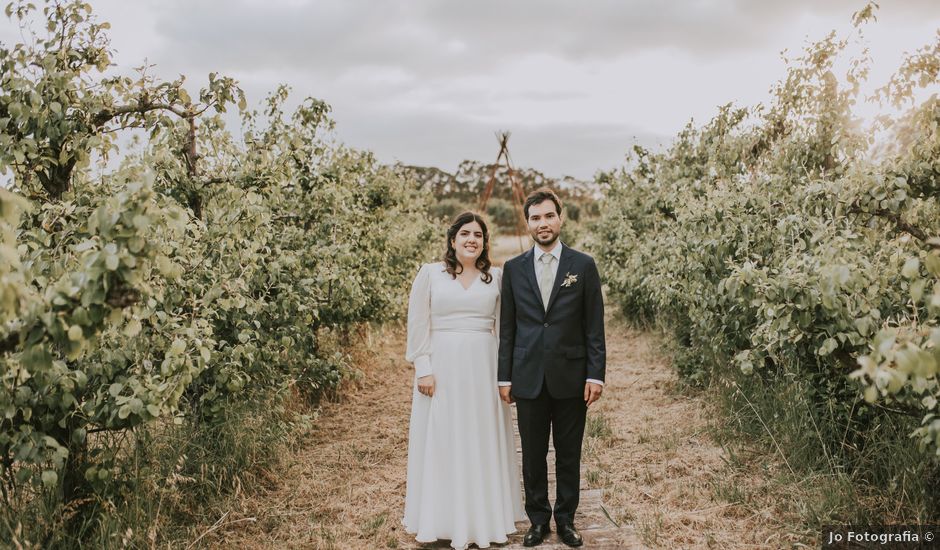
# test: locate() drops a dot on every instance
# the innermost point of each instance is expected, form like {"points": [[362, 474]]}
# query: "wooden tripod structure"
{"points": [[518, 194]]}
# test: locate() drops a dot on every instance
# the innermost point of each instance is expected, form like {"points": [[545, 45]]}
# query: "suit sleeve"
{"points": [[507, 327], [419, 323], [498, 281], [594, 323]]}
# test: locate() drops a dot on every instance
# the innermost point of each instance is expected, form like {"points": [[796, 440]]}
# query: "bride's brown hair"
{"points": [[483, 263]]}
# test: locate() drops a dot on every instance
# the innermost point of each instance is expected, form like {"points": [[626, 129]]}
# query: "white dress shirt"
{"points": [[536, 256]]}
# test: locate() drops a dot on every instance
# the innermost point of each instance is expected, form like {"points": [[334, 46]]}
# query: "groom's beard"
{"points": [[546, 242]]}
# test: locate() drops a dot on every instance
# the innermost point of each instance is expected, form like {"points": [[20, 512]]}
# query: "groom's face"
{"points": [[544, 223]]}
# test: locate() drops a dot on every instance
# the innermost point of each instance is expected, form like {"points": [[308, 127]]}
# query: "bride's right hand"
{"points": [[426, 385]]}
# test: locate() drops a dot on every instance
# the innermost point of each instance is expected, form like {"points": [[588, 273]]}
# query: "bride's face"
{"points": [[468, 243]]}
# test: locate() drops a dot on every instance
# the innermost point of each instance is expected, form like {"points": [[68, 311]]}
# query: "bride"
{"points": [[463, 478]]}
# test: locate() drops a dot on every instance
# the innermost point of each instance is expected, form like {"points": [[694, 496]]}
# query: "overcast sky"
{"points": [[428, 82]]}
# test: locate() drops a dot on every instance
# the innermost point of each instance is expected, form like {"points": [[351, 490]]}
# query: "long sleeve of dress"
{"points": [[419, 323]]}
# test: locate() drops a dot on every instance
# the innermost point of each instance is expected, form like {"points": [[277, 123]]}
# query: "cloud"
{"points": [[899, 10], [431, 38], [429, 81]]}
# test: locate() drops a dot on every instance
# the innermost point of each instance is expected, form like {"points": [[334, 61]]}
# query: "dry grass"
{"points": [[503, 247], [345, 487], [663, 474]]}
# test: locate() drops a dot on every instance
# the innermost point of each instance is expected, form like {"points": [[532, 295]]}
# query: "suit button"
{"points": [[546, 324]]}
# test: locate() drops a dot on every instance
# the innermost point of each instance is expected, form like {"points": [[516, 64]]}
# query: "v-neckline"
{"points": [[467, 289]]}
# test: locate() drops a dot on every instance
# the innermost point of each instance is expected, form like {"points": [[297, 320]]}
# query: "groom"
{"points": [[551, 362]]}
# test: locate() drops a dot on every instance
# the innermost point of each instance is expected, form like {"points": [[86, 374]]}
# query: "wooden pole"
{"points": [[518, 193]]}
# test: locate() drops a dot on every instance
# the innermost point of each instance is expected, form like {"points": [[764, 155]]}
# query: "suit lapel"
{"points": [[564, 266], [528, 269]]}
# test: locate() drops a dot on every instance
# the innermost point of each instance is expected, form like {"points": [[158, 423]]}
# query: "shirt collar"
{"points": [[556, 252]]}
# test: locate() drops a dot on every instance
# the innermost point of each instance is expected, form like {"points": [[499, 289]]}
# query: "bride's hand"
{"points": [[505, 393], [426, 385]]}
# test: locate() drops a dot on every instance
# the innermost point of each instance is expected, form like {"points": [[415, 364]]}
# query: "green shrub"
{"points": [[774, 247], [184, 292]]}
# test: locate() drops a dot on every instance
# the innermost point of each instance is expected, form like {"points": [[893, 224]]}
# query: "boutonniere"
{"points": [[569, 280]]}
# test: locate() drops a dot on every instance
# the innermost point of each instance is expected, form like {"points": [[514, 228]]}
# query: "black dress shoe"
{"points": [[569, 535], [535, 535]]}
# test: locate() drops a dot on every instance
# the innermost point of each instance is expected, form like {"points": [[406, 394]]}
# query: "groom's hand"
{"points": [[505, 394], [592, 392]]}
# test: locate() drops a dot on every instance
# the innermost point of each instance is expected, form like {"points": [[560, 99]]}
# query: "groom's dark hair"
{"points": [[538, 196]]}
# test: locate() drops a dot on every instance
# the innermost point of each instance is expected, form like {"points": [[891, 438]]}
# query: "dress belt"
{"points": [[465, 325]]}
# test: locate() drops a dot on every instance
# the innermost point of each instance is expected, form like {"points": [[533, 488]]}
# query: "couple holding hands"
{"points": [[480, 338]]}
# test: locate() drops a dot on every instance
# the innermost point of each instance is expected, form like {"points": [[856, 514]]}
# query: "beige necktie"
{"points": [[546, 277]]}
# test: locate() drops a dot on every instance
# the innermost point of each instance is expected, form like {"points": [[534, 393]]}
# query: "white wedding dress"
{"points": [[463, 477]]}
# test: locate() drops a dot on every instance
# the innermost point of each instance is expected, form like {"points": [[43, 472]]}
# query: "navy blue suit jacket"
{"points": [[561, 346]]}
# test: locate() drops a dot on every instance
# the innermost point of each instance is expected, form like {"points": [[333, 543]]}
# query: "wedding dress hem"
{"points": [[467, 544]]}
